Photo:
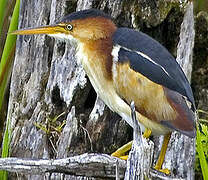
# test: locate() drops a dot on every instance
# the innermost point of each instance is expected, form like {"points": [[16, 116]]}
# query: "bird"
{"points": [[126, 65]]}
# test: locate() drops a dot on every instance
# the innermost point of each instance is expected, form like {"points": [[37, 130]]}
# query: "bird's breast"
{"points": [[94, 67]]}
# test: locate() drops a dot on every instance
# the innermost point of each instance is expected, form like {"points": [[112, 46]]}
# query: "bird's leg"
{"points": [[161, 158], [120, 153], [147, 133]]}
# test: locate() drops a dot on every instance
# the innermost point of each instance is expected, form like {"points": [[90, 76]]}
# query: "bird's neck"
{"points": [[96, 60], [96, 55]]}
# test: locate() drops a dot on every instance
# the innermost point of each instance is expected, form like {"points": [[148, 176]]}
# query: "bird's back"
{"points": [[146, 73], [161, 67]]}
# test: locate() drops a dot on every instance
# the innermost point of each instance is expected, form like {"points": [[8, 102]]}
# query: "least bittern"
{"points": [[125, 65]]}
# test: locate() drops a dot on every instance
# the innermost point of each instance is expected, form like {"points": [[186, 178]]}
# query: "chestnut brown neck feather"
{"points": [[100, 50]]}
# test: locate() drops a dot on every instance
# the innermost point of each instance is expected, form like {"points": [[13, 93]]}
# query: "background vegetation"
{"points": [[8, 23], [199, 83]]}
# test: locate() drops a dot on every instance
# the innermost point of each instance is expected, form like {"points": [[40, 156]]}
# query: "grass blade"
{"points": [[5, 69], [202, 159], [2, 12], [6, 59]]}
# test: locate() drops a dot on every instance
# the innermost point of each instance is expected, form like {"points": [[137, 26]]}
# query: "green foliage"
{"points": [[5, 147], [52, 125], [202, 152], [2, 12], [200, 5], [53, 128], [6, 59], [5, 69]]}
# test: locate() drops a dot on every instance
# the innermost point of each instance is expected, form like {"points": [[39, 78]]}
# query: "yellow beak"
{"points": [[50, 29]]}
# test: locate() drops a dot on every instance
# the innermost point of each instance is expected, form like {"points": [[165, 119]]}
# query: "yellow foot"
{"points": [[147, 133], [165, 171], [121, 152]]}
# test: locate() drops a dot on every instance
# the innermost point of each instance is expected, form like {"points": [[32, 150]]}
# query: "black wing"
{"points": [[150, 58]]}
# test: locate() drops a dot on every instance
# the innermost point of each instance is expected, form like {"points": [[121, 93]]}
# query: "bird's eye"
{"points": [[69, 27]]}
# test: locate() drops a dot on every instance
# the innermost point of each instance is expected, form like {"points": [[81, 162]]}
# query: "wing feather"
{"points": [[151, 59]]}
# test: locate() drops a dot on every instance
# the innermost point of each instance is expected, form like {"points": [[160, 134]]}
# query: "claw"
{"points": [[165, 170]]}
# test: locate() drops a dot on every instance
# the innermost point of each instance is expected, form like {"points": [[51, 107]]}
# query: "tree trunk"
{"points": [[48, 89]]}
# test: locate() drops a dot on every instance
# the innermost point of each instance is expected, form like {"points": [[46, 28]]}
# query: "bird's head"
{"points": [[82, 26]]}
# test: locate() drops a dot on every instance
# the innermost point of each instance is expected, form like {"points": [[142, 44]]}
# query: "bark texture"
{"points": [[46, 82], [96, 165]]}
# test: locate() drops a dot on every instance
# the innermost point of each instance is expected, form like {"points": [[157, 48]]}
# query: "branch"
{"points": [[90, 165], [141, 154]]}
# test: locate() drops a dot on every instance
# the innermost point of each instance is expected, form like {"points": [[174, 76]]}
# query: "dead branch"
{"points": [[90, 165]]}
